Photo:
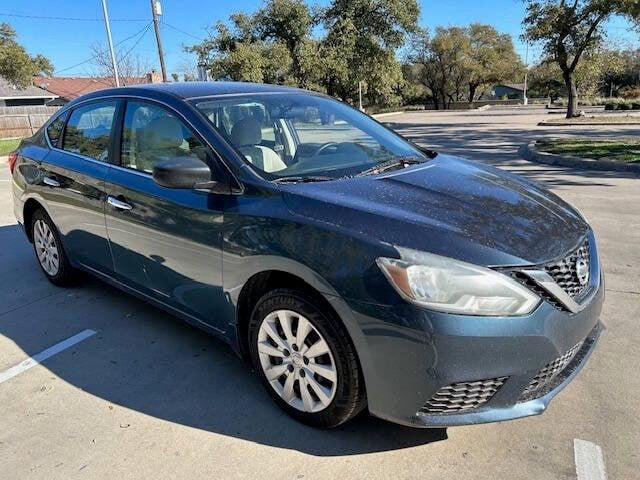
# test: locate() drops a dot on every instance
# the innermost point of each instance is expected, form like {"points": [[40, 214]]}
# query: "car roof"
{"points": [[186, 90]]}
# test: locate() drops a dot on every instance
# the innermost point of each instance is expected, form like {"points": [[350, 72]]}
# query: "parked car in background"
{"points": [[352, 268]]}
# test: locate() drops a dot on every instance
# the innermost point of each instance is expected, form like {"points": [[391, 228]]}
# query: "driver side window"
{"points": [[152, 133]]}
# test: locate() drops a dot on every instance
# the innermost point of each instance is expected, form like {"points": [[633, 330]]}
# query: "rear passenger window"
{"points": [[54, 130], [89, 129]]}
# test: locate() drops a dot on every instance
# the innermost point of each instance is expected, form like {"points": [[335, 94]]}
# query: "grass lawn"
{"points": [[620, 150], [8, 145]]}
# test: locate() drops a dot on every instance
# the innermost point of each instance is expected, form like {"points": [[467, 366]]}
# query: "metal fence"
{"points": [[16, 122]]}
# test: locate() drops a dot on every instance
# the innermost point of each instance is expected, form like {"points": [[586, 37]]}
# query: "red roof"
{"points": [[73, 87]]}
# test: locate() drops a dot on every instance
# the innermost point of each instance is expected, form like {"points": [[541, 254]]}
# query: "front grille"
{"points": [[564, 271], [537, 386], [459, 397]]}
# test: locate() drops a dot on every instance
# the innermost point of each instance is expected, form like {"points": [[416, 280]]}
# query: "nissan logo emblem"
{"points": [[582, 270]]}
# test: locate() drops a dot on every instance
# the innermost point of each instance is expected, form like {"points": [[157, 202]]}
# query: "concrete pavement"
{"points": [[148, 396]]}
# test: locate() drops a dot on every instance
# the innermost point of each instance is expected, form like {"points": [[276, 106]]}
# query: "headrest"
{"points": [[246, 132], [163, 132]]}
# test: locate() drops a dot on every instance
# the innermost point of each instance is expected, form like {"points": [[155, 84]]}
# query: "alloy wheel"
{"points": [[46, 247], [297, 361]]}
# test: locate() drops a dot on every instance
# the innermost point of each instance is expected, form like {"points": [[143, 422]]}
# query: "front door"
{"points": [[165, 242]]}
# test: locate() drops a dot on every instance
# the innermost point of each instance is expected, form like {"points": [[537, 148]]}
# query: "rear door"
{"points": [[73, 181], [165, 242]]}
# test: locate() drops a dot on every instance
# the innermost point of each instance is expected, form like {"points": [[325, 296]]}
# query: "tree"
{"points": [[492, 58], [16, 65], [545, 80], [360, 44], [422, 60], [456, 61], [288, 23], [131, 68], [237, 52], [596, 71], [275, 45], [567, 29], [442, 63]]}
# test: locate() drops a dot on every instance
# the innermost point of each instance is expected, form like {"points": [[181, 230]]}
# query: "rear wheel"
{"points": [[49, 252], [305, 359]]}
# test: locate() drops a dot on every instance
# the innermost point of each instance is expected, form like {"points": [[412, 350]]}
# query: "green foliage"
{"points": [[456, 62], [622, 104], [598, 72], [567, 30], [16, 65], [491, 58], [623, 150], [275, 45]]}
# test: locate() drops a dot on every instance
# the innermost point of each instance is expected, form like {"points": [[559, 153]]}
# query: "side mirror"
{"points": [[429, 153], [182, 172]]}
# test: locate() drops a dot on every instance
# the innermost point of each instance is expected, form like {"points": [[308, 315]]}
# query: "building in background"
{"points": [[511, 91], [70, 88], [12, 96]]}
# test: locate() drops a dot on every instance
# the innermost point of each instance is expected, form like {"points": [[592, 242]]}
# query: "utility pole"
{"points": [[526, 74], [360, 96], [113, 55], [156, 10]]}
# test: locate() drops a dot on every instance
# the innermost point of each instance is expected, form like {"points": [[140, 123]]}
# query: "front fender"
{"points": [[238, 270]]}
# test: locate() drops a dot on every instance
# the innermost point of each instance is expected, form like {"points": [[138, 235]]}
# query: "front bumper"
{"points": [[522, 408], [409, 354]]}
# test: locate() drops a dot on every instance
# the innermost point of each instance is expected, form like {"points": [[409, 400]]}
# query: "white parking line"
{"points": [[42, 356], [589, 460]]}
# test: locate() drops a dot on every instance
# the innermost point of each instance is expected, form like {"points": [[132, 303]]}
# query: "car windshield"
{"points": [[306, 137]]}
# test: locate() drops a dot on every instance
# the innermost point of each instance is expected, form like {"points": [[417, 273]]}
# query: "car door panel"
{"points": [[74, 190], [168, 244], [165, 242]]}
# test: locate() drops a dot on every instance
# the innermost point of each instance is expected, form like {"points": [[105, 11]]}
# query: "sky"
{"points": [[70, 28]]}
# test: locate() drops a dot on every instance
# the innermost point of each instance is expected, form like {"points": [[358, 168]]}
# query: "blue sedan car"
{"points": [[353, 269]]}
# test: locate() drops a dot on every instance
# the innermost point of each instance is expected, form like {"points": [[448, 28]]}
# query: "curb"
{"points": [[529, 152], [388, 114], [587, 124]]}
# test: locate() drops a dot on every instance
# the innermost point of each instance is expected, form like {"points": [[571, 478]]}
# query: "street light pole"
{"points": [[113, 55], [155, 11], [526, 75]]}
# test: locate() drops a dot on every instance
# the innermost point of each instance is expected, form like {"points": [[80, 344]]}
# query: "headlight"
{"points": [[449, 285]]}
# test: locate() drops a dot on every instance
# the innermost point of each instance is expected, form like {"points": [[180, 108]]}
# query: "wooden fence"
{"points": [[16, 122]]}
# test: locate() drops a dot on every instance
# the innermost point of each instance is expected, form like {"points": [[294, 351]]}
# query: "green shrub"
{"points": [[624, 106], [610, 106], [635, 105]]}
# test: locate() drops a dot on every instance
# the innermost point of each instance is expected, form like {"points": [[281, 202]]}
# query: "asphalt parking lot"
{"points": [[143, 395]]}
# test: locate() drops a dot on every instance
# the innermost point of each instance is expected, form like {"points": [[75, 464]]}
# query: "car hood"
{"points": [[448, 206]]}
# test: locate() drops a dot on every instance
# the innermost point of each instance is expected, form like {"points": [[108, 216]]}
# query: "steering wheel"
{"points": [[324, 147]]}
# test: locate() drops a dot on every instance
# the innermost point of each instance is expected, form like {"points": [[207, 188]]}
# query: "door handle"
{"points": [[51, 182], [119, 204]]}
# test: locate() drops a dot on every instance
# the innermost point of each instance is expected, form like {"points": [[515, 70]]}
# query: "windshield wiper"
{"points": [[391, 165], [307, 179]]}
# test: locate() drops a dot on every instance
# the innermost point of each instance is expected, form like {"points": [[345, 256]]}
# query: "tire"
{"points": [[49, 251], [312, 399]]}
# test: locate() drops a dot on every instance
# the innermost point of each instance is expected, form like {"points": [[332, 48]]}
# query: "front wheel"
{"points": [[305, 359]]}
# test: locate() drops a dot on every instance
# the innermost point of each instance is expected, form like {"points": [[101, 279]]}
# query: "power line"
{"points": [[72, 19], [136, 42], [182, 31], [144, 29]]}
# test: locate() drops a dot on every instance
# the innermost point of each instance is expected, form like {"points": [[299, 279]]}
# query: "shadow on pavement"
{"points": [[145, 360]]}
